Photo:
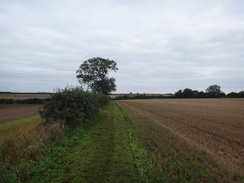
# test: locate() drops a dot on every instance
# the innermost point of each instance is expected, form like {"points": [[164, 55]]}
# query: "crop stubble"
{"points": [[215, 126]]}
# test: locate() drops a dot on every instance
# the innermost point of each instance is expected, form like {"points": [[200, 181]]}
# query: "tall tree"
{"points": [[94, 73], [214, 90]]}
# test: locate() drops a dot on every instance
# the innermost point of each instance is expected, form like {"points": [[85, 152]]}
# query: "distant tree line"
{"points": [[24, 101], [236, 95], [213, 91]]}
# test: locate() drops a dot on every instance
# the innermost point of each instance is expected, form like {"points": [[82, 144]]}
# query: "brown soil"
{"points": [[215, 126], [17, 111]]}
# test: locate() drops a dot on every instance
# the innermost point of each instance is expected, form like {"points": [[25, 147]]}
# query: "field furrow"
{"points": [[214, 126], [10, 112]]}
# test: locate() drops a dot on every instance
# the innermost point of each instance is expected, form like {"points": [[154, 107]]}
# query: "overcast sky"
{"points": [[160, 46]]}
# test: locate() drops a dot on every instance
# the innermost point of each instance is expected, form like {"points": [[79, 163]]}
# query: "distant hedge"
{"points": [[72, 106], [236, 95], [6, 101], [24, 101]]}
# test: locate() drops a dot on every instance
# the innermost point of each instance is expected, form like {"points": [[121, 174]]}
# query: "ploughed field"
{"points": [[10, 112], [212, 127]]}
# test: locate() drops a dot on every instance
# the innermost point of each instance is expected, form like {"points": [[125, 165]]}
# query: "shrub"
{"points": [[70, 106], [102, 99]]}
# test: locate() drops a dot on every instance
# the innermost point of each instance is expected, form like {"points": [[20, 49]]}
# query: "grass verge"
{"points": [[14, 128]]}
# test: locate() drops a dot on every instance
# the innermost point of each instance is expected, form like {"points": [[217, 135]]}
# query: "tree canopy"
{"points": [[186, 93], [214, 90], [211, 91], [94, 73]]}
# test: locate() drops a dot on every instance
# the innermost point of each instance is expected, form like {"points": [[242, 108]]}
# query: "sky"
{"points": [[160, 46]]}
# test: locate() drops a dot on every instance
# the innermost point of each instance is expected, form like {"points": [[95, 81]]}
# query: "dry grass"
{"points": [[24, 140], [28, 144], [18, 120], [17, 128]]}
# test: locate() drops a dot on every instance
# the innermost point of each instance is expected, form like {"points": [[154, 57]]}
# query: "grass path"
{"points": [[108, 152]]}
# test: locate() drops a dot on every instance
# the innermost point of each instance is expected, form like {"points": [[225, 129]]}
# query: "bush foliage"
{"points": [[72, 106]]}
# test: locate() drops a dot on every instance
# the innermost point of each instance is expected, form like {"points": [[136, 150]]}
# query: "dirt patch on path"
{"points": [[10, 112]]}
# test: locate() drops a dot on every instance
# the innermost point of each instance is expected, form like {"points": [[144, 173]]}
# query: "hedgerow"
{"points": [[72, 106]]}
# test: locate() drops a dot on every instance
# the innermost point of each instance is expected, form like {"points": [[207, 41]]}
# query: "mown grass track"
{"points": [[107, 152]]}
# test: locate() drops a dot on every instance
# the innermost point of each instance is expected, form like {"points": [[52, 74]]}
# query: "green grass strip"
{"points": [[146, 170], [18, 121]]}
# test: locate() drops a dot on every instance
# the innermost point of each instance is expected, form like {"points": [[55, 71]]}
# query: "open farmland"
{"points": [[211, 128], [21, 96], [10, 112]]}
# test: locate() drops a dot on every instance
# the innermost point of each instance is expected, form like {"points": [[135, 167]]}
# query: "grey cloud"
{"points": [[160, 46]]}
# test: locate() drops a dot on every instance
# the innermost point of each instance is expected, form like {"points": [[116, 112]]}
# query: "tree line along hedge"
{"points": [[72, 106]]}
